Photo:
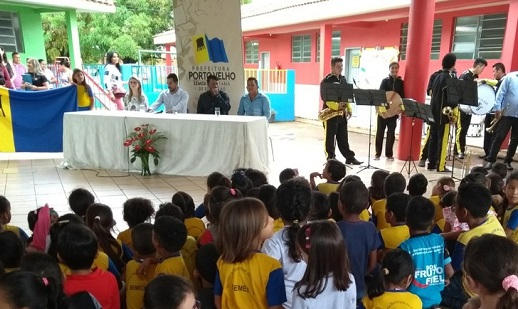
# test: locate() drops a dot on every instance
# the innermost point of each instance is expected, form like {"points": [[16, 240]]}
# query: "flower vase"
{"points": [[145, 171]]}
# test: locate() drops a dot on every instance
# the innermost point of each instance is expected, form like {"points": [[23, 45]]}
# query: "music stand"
{"points": [[370, 97], [419, 111], [337, 92], [460, 92]]}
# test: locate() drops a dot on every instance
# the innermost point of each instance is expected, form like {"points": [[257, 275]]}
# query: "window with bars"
{"points": [[479, 36], [436, 40], [10, 32], [252, 52], [301, 48], [335, 44]]}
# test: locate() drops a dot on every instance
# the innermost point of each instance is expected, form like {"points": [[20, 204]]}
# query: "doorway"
{"points": [[265, 61]]}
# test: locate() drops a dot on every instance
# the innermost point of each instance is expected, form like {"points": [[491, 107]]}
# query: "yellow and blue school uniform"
{"points": [[125, 238], [436, 200], [188, 252], [511, 222], [257, 282], [174, 265], [136, 284], [490, 226], [327, 187], [430, 257], [393, 299], [195, 227], [378, 214], [18, 231], [392, 237], [84, 97]]}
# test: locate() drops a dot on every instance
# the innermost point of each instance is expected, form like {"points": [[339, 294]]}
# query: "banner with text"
{"points": [[209, 41]]}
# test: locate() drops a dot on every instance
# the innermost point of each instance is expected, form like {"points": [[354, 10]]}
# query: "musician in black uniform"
{"points": [[498, 74], [465, 119], [393, 82], [439, 131], [336, 127]]}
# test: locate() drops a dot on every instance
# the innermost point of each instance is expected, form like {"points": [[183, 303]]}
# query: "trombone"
{"points": [[494, 122]]}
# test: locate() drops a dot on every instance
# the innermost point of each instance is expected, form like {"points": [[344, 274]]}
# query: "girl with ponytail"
{"points": [[390, 288], [491, 271], [294, 200], [23, 289], [99, 219]]}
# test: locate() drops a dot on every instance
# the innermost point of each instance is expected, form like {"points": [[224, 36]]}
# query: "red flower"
{"points": [[152, 131], [128, 143], [137, 147], [149, 141], [141, 135], [137, 129], [150, 149]]}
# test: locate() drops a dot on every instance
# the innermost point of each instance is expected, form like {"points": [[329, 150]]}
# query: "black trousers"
{"points": [[389, 124], [336, 129], [465, 121], [426, 147], [488, 137], [438, 151], [502, 128]]}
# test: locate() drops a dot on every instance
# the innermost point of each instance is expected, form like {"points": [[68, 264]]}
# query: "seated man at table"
{"points": [[174, 98], [254, 103], [213, 98]]}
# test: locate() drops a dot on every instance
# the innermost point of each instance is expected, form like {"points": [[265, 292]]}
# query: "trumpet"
{"points": [[494, 122], [448, 111]]}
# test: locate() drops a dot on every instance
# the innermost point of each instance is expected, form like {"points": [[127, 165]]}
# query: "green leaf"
{"points": [[155, 160], [133, 159]]}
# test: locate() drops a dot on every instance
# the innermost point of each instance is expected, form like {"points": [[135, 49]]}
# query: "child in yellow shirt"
{"points": [[135, 211]]}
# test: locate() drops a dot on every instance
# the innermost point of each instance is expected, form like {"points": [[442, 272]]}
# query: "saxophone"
{"points": [[448, 111], [328, 113], [466, 164]]}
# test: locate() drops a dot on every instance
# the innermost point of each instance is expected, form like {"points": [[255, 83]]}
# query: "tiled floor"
{"points": [[31, 180]]}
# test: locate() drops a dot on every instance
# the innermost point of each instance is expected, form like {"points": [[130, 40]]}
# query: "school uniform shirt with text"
{"points": [[511, 222], [174, 265], [257, 282], [136, 284], [430, 257], [330, 297]]}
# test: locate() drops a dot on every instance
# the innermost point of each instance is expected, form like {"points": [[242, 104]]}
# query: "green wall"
{"points": [[33, 40]]}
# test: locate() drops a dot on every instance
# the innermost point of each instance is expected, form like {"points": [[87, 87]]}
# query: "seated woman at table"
{"points": [[39, 81], [135, 99], [85, 96]]}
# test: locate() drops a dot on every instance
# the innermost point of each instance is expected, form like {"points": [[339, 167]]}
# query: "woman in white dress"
{"points": [[135, 99], [113, 79]]}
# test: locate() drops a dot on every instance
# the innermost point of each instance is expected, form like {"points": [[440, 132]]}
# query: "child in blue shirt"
{"points": [[361, 237], [431, 259]]}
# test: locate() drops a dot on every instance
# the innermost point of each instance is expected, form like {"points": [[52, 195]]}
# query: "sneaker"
{"points": [[461, 155], [509, 167], [489, 165], [445, 170], [390, 158], [353, 161], [421, 163], [376, 158]]}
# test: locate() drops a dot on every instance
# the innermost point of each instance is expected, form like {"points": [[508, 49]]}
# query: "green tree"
{"points": [[129, 29]]}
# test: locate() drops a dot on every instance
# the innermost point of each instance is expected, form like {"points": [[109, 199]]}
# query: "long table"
{"points": [[196, 145]]}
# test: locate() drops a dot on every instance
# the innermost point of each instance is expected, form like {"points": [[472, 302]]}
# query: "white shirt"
{"points": [[329, 298], [49, 75], [276, 247], [173, 102]]}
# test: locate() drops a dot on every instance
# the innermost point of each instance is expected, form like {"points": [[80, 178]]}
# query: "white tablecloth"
{"points": [[196, 145]]}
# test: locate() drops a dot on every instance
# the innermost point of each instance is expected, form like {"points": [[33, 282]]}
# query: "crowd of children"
{"points": [[338, 244]]}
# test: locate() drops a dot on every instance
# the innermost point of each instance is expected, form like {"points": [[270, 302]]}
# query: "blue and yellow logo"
{"points": [[208, 50]]}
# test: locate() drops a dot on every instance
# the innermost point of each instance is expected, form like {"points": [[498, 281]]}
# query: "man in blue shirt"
{"points": [[174, 98], [506, 109], [254, 103]]}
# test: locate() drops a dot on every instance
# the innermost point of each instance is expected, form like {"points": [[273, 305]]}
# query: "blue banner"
{"points": [[32, 121]]}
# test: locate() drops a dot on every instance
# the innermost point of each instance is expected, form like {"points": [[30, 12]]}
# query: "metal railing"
{"points": [[270, 80]]}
